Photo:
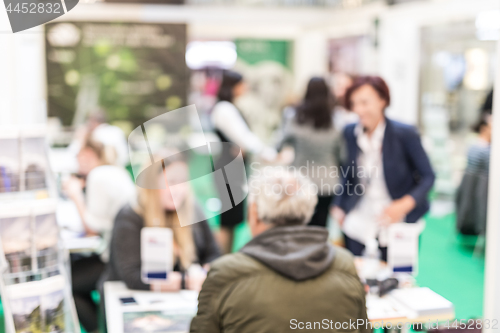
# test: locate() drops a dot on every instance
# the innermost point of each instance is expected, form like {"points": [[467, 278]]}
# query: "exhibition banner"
{"points": [[134, 71], [266, 66]]}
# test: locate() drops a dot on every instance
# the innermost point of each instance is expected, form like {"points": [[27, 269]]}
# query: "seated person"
{"points": [[107, 188], [288, 274], [155, 208]]}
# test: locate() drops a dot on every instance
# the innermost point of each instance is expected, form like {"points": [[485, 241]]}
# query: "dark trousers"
{"points": [[320, 216], [85, 272], [357, 248]]}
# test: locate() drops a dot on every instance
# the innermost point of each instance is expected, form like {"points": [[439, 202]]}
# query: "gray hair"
{"points": [[283, 197]]}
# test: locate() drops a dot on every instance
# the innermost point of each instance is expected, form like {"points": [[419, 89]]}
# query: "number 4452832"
{"points": [[472, 324], [33, 8]]}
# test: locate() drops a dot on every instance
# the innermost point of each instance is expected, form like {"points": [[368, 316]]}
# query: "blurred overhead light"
{"points": [[211, 54], [476, 75], [488, 25]]}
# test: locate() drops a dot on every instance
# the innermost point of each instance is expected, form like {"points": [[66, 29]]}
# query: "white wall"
{"points": [[397, 58], [310, 57], [22, 76]]}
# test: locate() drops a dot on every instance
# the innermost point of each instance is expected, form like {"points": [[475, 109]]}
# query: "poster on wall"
{"points": [[134, 71], [347, 58], [267, 68], [345, 55]]}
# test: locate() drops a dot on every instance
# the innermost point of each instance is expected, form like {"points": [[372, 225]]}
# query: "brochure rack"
{"points": [[35, 276]]}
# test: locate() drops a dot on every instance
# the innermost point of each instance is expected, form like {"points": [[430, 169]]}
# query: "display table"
{"points": [[72, 231], [151, 309], [389, 311], [408, 305], [135, 311]]}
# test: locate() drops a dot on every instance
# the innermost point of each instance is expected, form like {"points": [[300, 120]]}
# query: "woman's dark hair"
{"points": [[229, 80], [484, 120], [376, 82], [316, 108], [488, 103]]}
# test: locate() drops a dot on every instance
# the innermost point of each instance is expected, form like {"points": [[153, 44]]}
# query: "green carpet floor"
{"points": [[448, 266]]}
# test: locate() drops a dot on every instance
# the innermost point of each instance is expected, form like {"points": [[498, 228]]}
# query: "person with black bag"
{"points": [[472, 194], [231, 127]]}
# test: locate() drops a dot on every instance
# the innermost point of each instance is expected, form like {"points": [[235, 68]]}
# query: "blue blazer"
{"points": [[407, 169]]}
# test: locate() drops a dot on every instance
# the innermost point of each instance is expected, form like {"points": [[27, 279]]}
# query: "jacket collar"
{"points": [[375, 141], [297, 252]]}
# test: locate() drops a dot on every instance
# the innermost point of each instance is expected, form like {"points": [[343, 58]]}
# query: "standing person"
{"points": [[387, 175], [97, 129], [107, 189], [342, 116], [231, 127], [487, 106], [316, 144], [472, 195], [288, 275]]}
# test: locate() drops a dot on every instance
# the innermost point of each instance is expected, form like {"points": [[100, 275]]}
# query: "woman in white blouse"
{"points": [[107, 189], [387, 175], [231, 127]]}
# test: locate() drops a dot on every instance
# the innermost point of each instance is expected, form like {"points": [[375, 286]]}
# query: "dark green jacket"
{"points": [[282, 280]]}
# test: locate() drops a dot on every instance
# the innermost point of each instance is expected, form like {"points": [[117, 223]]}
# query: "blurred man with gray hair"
{"points": [[288, 276]]}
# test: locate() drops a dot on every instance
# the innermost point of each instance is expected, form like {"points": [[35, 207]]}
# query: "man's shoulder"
{"points": [[234, 265], [343, 262], [230, 269]]}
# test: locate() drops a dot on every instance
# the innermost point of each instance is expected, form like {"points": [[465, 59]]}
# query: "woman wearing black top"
{"points": [[231, 127]]}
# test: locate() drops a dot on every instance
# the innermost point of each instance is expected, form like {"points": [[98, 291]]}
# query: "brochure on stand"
{"points": [[38, 306], [36, 292], [24, 167]]}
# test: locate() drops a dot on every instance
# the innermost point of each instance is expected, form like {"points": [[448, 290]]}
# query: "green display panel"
{"points": [[267, 68], [133, 71], [253, 51]]}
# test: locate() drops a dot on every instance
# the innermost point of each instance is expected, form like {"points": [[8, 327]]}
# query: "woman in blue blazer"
{"points": [[387, 175]]}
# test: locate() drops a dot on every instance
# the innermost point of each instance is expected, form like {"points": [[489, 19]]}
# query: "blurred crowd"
{"points": [[338, 159]]}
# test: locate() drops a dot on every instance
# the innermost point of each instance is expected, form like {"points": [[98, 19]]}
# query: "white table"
{"points": [[389, 310], [152, 309], [383, 311], [72, 231]]}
